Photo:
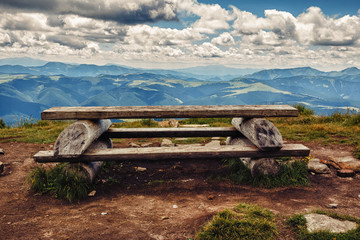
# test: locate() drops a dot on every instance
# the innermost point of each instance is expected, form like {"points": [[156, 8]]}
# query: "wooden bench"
{"points": [[74, 143]]}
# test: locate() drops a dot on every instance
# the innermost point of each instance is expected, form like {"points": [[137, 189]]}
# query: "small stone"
{"points": [[164, 218], [215, 143], [140, 169], [134, 145], [333, 205], [92, 193], [104, 213], [175, 206], [167, 143], [345, 173], [1, 167], [187, 180], [211, 197], [2, 151], [173, 123], [146, 144]]}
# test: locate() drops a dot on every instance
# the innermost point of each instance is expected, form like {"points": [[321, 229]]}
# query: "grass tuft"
{"points": [[246, 221], [62, 181], [304, 110], [293, 174]]}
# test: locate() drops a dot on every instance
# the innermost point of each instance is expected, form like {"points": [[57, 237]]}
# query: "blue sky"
{"points": [[184, 33]]}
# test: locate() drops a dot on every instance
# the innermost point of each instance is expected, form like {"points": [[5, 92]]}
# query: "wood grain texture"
{"points": [[129, 112], [257, 166], [261, 132], [90, 169], [171, 132], [183, 152], [75, 139]]}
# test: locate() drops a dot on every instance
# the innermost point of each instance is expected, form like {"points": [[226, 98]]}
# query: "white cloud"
{"points": [[212, 17], [224, 39], [75, 29], [207, 50], [309, 28]]}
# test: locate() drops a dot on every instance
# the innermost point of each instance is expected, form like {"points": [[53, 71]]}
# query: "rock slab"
{"points": [[319, 222], [316, 166], [347, 162]]}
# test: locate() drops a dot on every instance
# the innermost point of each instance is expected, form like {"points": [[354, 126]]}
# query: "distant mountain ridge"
{"points": [[27, 94], [211, 72]]}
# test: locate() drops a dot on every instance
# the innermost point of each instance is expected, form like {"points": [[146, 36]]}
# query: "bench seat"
{"points": [[180, 152], [181, 111]]}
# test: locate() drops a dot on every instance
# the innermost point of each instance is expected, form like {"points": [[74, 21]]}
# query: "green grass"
{"points": [[213, 122], [298, 223], [292, 174], [338, 128], [245, 221], [34, 132], [61, 181]]}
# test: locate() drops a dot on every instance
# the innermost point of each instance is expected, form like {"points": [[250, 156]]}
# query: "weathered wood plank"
{"points": [[75, 139], [128, 112], [183, 152], [171, 132]]}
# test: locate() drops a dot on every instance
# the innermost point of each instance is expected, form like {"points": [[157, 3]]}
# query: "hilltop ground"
{"points": [[167, 201]]}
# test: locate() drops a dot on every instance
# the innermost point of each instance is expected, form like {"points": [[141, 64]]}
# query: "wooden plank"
{"points": [[171, 132], [183, 152], [129, 112]]}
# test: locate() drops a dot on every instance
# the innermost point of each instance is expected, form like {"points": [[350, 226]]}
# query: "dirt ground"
{"points": [[170, 200]]}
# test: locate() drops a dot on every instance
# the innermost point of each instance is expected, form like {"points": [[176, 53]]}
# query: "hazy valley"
{"points": [[26, 91]]}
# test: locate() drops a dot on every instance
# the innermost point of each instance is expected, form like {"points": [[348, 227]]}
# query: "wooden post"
{"points": [[261, 132], [90, 169], [265, 166], [76, 138]]}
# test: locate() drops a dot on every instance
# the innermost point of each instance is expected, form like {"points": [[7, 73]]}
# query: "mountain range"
{"points": [[27, 90]]}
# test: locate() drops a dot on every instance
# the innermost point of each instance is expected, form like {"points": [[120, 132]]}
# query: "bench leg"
{"points": [[265, 166]]}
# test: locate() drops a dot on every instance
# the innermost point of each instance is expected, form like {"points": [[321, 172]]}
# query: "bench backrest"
{"points": [[130, 112]]}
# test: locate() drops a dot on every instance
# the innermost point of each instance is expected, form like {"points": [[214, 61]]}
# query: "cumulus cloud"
{"points": [[309, 28], [127, 30], [224, 39], [212, 17], [122, 11], [207, 50], [147, 35]]}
